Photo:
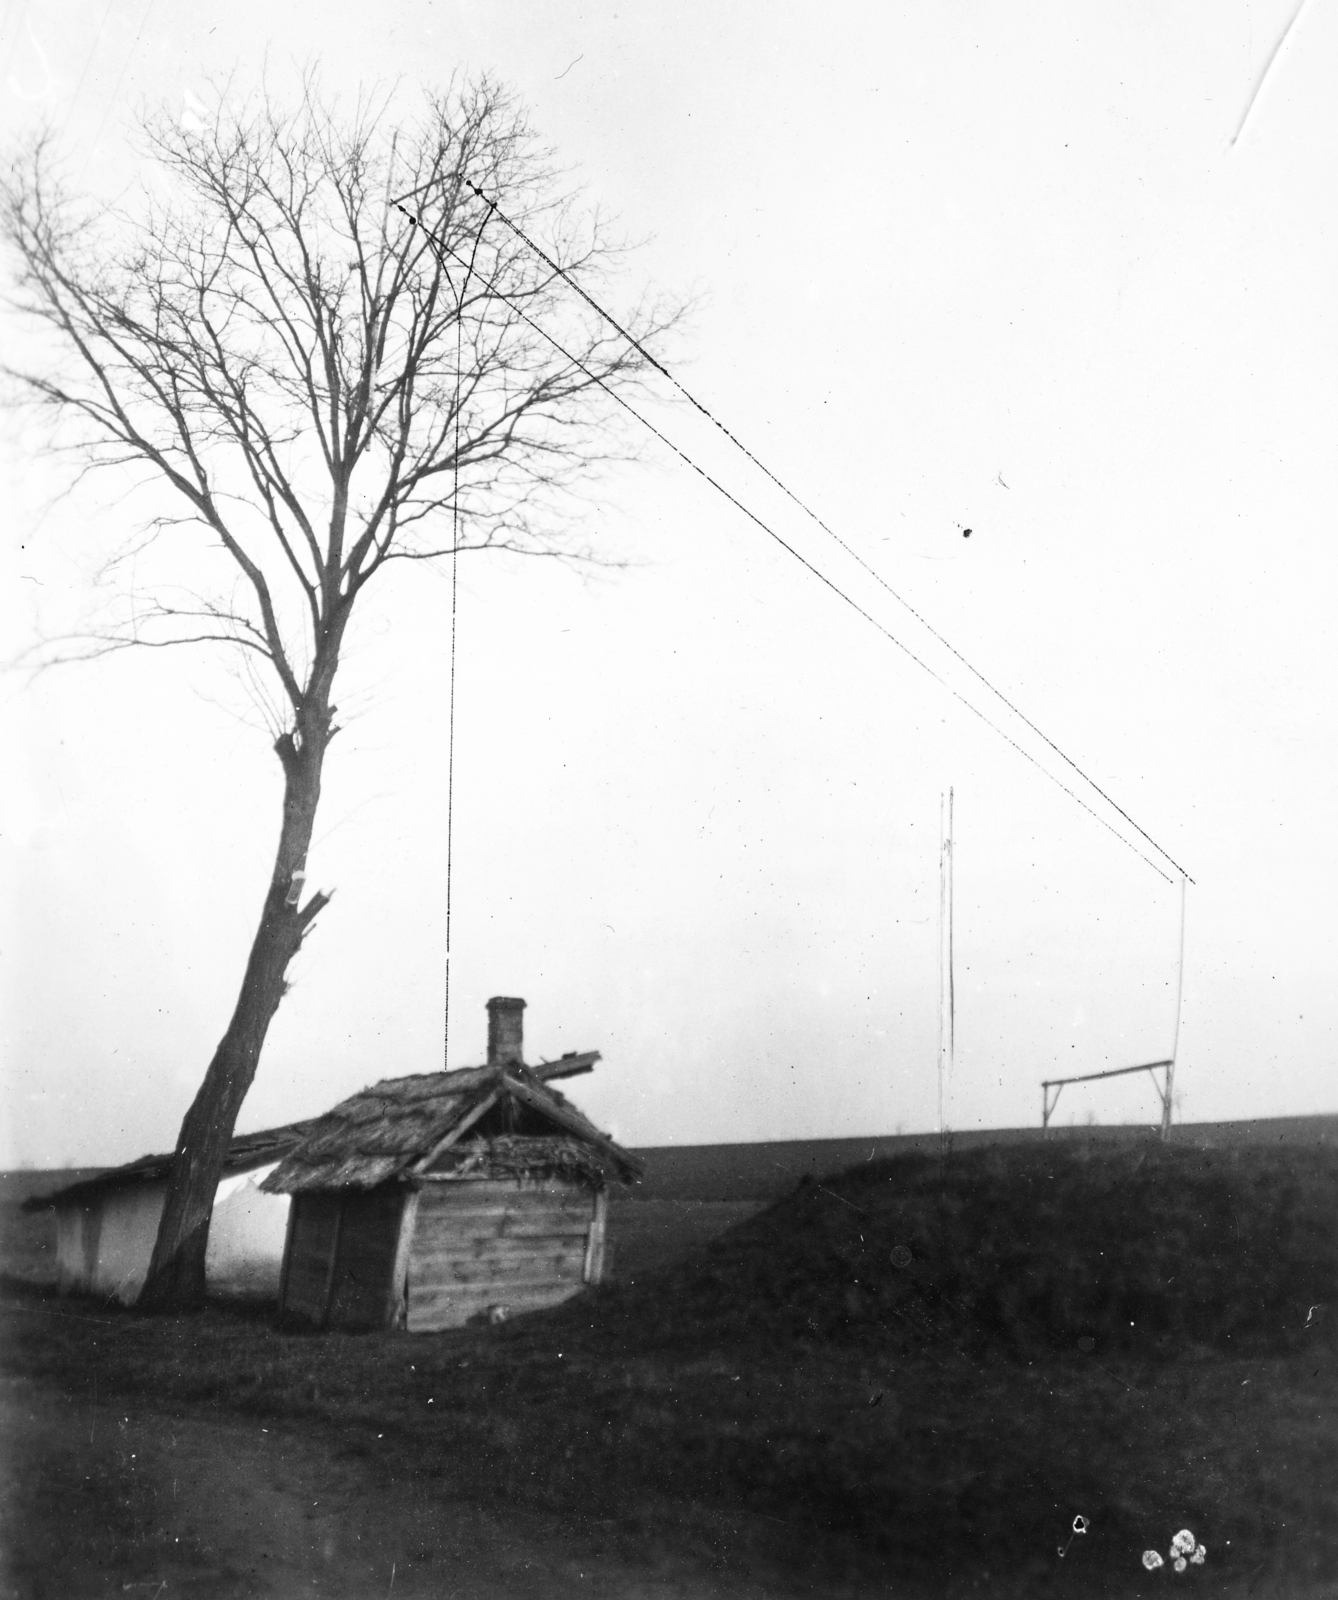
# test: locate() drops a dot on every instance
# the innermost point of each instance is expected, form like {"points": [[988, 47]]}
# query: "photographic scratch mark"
{"points": [[1268, 67], [83, 76], [1113, 1376], [568, 68], [120, 76], [48, 92], [46, 1311], [841, 1198], [1000, 482]]}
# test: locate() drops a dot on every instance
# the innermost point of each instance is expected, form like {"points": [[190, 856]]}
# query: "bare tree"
{"points": [[315, 333]]}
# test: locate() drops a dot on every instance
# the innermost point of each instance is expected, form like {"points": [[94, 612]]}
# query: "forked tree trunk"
{"points": [[176, 1271]]}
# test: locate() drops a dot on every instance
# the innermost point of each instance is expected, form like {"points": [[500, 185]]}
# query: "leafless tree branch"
{"points": [[270, 339]]}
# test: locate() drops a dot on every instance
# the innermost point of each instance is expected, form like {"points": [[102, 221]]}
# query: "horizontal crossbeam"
{"points": [[1050, 1100], [1115, 1072]]}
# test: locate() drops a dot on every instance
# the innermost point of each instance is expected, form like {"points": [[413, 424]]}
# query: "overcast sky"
{"points": [[1016, 269]]}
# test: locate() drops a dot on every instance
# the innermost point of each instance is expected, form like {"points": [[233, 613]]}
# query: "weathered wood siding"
{"points": [[485, 1243], [310, 1258], [360, 1290], [341, 1258], [596, 1242]]}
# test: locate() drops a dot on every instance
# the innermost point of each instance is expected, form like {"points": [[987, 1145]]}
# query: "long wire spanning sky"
{"points": [[1034, 276], [1087, 784]]}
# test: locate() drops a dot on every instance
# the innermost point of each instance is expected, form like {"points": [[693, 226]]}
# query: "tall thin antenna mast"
{"points": [[946, 998], [1179, 1001], [952, 961]]}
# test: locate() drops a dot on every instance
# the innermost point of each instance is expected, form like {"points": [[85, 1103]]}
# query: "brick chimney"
{"points": [[506, 1030]]}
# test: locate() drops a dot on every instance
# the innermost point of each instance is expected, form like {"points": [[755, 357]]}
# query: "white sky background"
{"points": [[944, 249]]}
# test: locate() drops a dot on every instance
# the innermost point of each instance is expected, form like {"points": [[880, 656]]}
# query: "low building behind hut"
{"points": [[106, 1225], [429, 1200]]}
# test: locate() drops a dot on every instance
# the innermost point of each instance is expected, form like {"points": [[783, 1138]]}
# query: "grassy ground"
{"points": [[646, 1235], [909, 1379]]}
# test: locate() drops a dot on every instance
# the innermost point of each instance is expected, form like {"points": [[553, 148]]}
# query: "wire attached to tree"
{"points": [[790, 549], [814, 517]]}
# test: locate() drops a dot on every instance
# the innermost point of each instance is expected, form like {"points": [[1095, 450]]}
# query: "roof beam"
{"points": [[570, 1119], [458, 1131], [566, 1066]]}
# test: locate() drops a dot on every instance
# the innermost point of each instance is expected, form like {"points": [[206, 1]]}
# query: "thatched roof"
{"points": [[435, 1122], [246, 1152]]}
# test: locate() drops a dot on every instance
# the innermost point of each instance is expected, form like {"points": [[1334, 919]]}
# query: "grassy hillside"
{"points": [[1093, 1246]]}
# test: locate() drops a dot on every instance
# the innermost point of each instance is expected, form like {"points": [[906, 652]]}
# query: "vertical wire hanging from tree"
{"points": [[455, 593], [450, 715], [438, 252]]}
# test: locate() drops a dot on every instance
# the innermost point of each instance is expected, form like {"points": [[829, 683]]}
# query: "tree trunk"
{"points": [[176, 1271]]}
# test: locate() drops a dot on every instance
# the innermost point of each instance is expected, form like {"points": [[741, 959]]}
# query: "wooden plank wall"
{"points": [[397, 1295], [314, 1225], [491, 1242], [365, 1258], [340, 1258], [595, 1243]]}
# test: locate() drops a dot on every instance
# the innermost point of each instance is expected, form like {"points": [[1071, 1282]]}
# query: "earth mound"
{"points": [[1024, 1249]]}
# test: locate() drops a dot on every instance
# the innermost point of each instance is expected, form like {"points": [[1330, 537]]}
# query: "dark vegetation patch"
{"points": [[1138, 1247], [913, 1375]]}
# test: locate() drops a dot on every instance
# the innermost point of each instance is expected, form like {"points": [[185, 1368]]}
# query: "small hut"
{"points": [[106, 1225], [425, 1201]]}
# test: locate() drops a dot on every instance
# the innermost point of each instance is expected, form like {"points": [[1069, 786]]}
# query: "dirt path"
{"points": [[123, 1500]]}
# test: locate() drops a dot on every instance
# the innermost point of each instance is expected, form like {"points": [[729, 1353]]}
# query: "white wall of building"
{"points": [[104, 1244], [246, 1237]]}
